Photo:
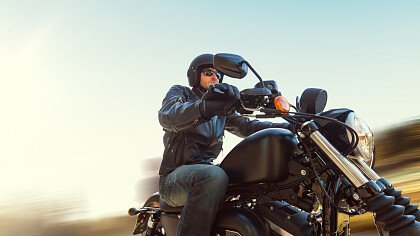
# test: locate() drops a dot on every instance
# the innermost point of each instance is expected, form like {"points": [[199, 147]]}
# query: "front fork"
{"points": [[379, 195], [388, 189]]}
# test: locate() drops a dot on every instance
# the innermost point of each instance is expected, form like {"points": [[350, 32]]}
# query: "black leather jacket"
{"points": [[191, 139]]}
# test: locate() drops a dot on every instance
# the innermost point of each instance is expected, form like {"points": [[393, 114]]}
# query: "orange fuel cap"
{"points": [[281, 104]]}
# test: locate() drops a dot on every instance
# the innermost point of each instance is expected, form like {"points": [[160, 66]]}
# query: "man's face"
{"points": [[209, 76]]}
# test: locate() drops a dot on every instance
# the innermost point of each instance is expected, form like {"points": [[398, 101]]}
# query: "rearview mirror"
{"points": [[231, 65]]}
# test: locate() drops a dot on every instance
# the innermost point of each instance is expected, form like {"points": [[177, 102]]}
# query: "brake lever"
{"points": [[216, 90]]}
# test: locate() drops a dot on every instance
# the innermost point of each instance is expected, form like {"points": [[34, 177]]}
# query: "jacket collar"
{"points": [[199, 91]]}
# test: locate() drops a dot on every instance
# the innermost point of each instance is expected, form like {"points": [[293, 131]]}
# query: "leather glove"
{"points": [[220, 100]]}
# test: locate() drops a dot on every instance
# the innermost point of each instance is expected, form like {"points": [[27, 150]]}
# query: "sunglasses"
{"points": [[208, 72]]}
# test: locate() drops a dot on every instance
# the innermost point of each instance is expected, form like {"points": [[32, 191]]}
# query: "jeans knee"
{"points": [[215, 178]]}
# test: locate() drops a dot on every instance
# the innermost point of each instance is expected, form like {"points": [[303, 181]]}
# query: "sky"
{"points": [[81, 81]]}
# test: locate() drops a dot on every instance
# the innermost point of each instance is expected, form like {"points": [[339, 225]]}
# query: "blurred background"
{"points": [[81, 83]]}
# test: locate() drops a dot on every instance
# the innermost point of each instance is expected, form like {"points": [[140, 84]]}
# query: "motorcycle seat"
{"points": [[165, 207]]}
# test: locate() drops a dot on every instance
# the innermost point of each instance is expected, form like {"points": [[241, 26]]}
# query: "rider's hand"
{"points": [[220, 100]]}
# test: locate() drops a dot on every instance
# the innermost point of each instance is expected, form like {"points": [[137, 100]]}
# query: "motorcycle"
{"points": [[306, 182]]}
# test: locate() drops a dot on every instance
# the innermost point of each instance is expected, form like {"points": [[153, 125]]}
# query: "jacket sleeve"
{"points": [[243, 126], [177, 113]]}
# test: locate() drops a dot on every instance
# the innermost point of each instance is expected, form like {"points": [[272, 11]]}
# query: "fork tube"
{"points": [[371, 174], [349, 169]]}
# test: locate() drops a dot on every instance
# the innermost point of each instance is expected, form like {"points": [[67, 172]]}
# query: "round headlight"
{"points": [[365, 148]]}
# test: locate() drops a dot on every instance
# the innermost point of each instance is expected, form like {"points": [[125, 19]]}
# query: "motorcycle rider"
{"points": [[194, 120]]}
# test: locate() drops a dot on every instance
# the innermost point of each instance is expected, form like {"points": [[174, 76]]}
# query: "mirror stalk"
{"points": [[255, 73]]}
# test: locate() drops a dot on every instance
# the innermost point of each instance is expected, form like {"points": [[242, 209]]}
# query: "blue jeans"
{"points": [[199, 188]]}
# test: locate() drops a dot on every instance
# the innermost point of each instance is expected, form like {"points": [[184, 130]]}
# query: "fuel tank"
{"points": [[261, 157]]}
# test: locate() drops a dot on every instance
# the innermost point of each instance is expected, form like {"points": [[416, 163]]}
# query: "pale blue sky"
{"points": [[81, 81]]}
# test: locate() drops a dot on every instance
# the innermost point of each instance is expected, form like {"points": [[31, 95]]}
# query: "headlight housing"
{"points": [[366, 146]]}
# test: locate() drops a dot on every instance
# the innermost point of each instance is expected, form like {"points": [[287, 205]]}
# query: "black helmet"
{"points": [[200, 62]]}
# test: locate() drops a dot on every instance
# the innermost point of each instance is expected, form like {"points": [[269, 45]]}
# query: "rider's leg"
{"points": [[199, 188]]}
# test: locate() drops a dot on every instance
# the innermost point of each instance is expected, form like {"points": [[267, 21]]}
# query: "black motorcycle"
{"points": [[306, 182]]}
